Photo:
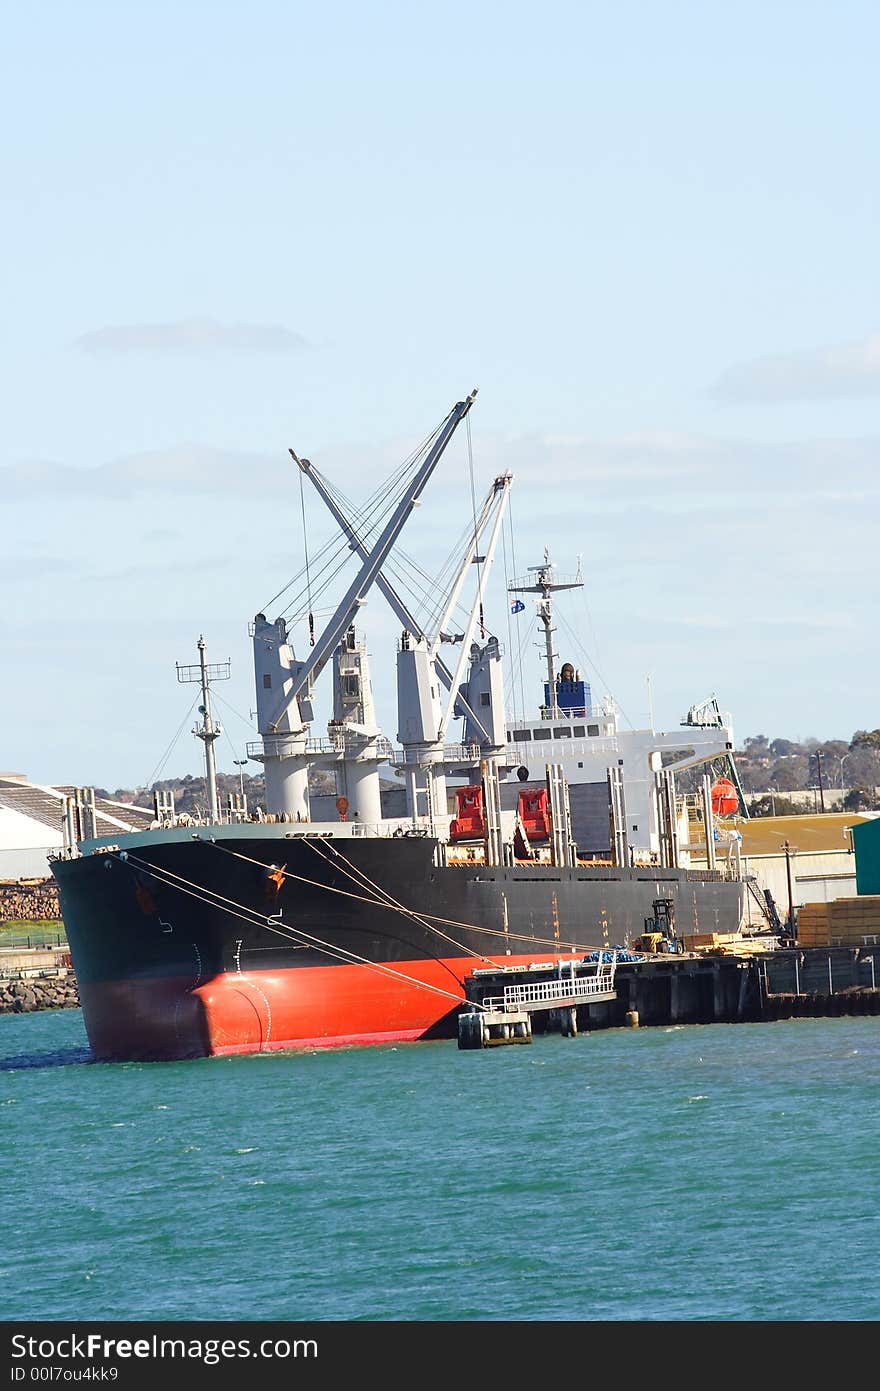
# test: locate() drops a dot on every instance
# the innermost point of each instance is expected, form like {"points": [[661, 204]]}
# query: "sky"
{"points": [[646, 233]]}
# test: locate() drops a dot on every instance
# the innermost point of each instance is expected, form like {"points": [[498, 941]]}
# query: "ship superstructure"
{"points": [[621, 781]]}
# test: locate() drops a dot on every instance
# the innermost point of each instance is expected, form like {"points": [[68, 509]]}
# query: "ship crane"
{"points": [[284, 685], [422, 719], [422, 722], [399, 608]]}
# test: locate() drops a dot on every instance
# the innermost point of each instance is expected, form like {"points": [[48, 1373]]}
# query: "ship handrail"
{"points": [[529, 583], [560, 989], [569, 714], [292, 746], [449, 753], [283, 823]]}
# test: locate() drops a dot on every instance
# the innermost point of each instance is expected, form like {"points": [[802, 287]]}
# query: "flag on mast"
{"points": [[517, 606]]}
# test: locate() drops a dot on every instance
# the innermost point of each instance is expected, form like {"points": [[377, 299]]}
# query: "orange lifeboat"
{"points": [[534, 813], [724, 798], [470, 823]]}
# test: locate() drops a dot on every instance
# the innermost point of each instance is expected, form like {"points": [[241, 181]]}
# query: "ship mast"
{"points": [[545, 586], [207, 731]]}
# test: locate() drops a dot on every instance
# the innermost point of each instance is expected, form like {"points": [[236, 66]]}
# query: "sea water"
{"points": [[720, 1172]]}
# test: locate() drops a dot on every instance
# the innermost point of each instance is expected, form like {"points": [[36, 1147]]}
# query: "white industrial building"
{"points": [[31, 820]]}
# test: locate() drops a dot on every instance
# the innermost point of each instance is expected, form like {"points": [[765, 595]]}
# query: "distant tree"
{"points": [[754, 777], [858, 799], [862, 767], [774, 806], [756, 746], [865, 739], [790, 773], [781, 748], [836, 748]]}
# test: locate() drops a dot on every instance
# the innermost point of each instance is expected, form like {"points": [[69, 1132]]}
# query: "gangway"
{"points": [[507, 1017]]}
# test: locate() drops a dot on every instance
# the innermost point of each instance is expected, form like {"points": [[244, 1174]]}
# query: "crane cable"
{"points": [[378, 498], [477, 557], [256, 919], [302, 503]]}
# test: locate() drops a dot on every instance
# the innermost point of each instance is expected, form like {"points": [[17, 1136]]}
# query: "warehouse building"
{"points": [[31, 820]]}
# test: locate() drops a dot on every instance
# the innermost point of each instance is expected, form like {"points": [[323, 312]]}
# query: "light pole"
{"points": [[241, 764], [772, 791], [819, 757], [842, 761], [789, 851]]}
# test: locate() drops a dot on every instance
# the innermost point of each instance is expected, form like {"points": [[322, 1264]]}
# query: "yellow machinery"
{"points": [[649, 942], [659, 934]]}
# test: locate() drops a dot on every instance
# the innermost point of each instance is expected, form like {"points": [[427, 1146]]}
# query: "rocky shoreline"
{"points": [[20, 994]]}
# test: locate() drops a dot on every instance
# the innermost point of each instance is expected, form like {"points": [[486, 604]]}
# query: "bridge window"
{"points": [[522, 736], [579, 731], [592, 730], [564, 732], [543, 734]]}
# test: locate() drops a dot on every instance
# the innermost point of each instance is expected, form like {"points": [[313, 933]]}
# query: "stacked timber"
{"points": [[844, 922], [701, 941], [812, 925]]}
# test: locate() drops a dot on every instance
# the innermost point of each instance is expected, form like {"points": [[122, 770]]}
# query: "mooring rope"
{"points": [[393, 903], [288, 931], [428, 919]]}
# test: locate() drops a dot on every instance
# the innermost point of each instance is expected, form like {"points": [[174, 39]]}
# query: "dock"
{"points": [[621, 990]]}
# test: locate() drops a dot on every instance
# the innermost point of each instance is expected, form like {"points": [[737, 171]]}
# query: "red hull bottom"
{"points": [[310, 1007]]}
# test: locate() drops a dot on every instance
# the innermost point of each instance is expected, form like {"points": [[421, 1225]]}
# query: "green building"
{"points": [[866, 846]]}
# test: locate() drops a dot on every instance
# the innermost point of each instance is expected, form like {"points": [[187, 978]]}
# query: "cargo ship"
{"points": [[355, 918]]}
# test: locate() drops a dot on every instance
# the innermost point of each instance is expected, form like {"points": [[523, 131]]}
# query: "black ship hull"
{"points": [[244, 938]]}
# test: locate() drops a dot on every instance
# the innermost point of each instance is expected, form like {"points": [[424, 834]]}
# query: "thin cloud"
{"points": [[191, 337], [668, 473], [848, 369], [23, 567], [191, 469], [756, 623], [583, 459], [199, 469]]}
